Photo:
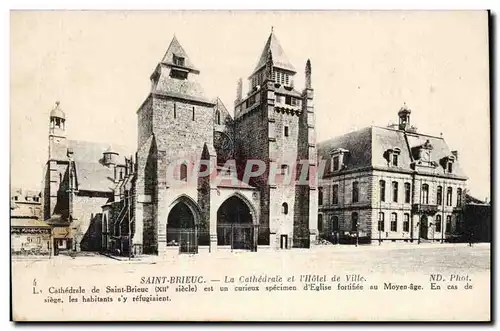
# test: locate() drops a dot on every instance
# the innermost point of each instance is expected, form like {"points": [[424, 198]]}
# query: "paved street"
{"points": [[399, 259]]}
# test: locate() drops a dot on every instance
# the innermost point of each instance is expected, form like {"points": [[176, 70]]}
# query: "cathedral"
{"points": [[201, 179]]}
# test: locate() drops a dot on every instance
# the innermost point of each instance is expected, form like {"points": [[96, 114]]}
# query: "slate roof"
{"points": [[85, 151], [367, 147], [94, 177], [280, 60], [183, 89], [91, 174], [176, 49]]}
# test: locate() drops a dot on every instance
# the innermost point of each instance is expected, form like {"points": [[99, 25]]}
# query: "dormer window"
{"points": [[178, 60], [392, 156], [395, 160], [337, 160], [447, 163], [335, 163]]}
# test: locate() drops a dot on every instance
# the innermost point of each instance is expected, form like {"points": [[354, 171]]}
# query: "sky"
{"points": [[365, 65]]}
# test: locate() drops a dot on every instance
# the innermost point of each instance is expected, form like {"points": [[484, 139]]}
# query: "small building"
{"points": [[29, 235]]}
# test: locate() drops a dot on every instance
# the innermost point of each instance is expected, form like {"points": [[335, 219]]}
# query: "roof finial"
{"points": [[57, 103], [272, 29]]}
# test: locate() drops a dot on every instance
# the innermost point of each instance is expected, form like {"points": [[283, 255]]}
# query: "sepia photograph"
{"points": [[185, 165]]}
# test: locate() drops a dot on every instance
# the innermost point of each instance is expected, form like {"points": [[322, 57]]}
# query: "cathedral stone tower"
{"points": [[275, 124], [175, 127]]}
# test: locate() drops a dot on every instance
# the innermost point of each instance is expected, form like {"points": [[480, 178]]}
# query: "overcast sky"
{"points": [[365, 65]]}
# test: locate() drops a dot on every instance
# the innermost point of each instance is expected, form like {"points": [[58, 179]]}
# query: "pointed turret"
{"points": [[308, 74], [173, 75], [280, 59], [176, 56]]}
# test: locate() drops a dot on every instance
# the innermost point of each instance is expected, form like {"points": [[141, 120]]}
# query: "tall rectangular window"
{"points": [[449, 196], [395, 191], [439, 195], [438, 223], [335, 194], [459, 197], [286, 131], [320, 222], [448, 224], [381, 219], [407, 192], [425, 194], [354, 222], [382, 190], [394, 222], [193, 113], [395, 160], [355, 192], [406, 223], [320, 196], [335, 163]]}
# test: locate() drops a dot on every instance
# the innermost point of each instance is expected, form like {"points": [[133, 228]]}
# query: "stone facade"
{"points": [[179, 127], [390, 184]]}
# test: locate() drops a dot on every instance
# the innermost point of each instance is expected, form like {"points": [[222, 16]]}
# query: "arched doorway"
{"points": [[181, 228], [424, 227], [235, 226]]}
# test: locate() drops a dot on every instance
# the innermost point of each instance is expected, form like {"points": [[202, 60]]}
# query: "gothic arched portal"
{"points": [[235, 224]]}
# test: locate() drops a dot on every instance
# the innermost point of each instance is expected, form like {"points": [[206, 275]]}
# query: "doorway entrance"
{"points": [[284, 241], [424, 227]]}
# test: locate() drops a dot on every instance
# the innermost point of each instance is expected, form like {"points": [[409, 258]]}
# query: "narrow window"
{"points": [[382, 190], [193, 113], [450, 167], [459, 197], [425, 194], [448, 224], [381, 220], [217, 117], [355, 192], [183, 174], [406, 223], [320, 222], [407, 192], [335, 163], [438, 223], [395, 160], [394, 222], [284, 169], [395, 191], [354, 222], [286, 131], [175, 110], [320, 196], [449, 196], [284, 208], [439, 195], [335, 224], [335, 194]]}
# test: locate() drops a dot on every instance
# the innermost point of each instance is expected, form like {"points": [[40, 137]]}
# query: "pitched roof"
{"points": [[85, 151], [280, 60], [188, 89], [358, 143], [176, 49], [367, 148], [94, 177]]}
